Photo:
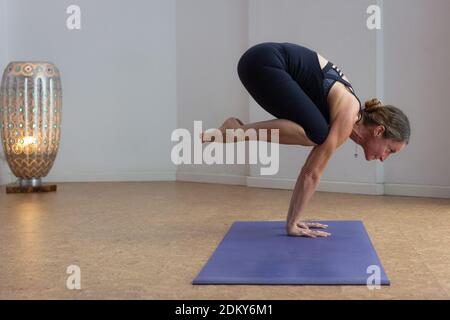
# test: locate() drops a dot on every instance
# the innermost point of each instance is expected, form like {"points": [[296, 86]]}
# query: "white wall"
{"points": [[138, 70], [118, 80], [337, 30], [370, 59], [211, 36], [417, 71], [5, 175]]}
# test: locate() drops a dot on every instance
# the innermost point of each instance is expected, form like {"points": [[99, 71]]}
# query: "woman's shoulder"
{"points": [[344, 106]]}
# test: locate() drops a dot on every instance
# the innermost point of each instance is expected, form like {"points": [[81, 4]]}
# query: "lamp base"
{"points": [[17, 188]]}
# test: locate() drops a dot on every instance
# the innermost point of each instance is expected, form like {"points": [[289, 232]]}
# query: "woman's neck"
{"points": [[357, 133]]}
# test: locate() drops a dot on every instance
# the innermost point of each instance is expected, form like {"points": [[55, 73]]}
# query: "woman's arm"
{"points": [[314, 166]]}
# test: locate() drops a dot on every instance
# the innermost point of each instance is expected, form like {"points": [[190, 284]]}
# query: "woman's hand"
{"points": [[302, 229]]}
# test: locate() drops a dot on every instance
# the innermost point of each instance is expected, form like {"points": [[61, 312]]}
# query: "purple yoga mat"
{"points": [[260, 252]]}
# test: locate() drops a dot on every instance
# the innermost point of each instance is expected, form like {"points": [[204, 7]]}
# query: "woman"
{"points": [[314, 105]]}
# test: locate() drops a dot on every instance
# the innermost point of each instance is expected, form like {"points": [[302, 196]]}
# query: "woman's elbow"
{"points": [[313, 174]]}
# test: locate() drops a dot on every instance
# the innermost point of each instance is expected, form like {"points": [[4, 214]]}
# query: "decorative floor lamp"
{"points": [[30, 118]]}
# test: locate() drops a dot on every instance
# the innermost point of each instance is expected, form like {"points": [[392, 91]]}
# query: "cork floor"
{"points": [[148, 240]]}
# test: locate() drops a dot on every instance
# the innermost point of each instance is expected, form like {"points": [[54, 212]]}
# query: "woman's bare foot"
{"points": [[230, 123]]}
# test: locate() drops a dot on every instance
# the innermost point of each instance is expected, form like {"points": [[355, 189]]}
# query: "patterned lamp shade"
{"points": [[30, 117]]}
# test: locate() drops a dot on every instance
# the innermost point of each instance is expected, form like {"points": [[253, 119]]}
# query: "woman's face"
{"points": [[378, 148]]}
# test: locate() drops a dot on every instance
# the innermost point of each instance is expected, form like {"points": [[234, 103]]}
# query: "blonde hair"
{"points": [[395, 122]]}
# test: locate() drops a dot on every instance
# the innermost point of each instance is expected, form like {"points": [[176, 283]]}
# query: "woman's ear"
{"points": [[379, 130]]}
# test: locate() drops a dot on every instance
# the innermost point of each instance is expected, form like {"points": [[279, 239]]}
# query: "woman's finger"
{"points": [[307, 233], [320, 225], [316, 225], [321, 233], [302, 225]]}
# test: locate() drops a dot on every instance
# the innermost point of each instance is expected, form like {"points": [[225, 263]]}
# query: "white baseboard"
{"points": [[279, 183], [259, 182], [270, 183], [212, 178], [325, 186], [96, 176], [417, 190]]}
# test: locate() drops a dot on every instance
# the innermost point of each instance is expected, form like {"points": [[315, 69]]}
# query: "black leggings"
{"points": [[283, 79]]}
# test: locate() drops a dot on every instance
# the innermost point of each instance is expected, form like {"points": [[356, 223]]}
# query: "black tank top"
{"points": [[303, 65], [332, 74]]}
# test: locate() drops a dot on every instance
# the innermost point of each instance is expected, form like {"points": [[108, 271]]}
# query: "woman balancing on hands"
{"points": [[314, 105]]}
